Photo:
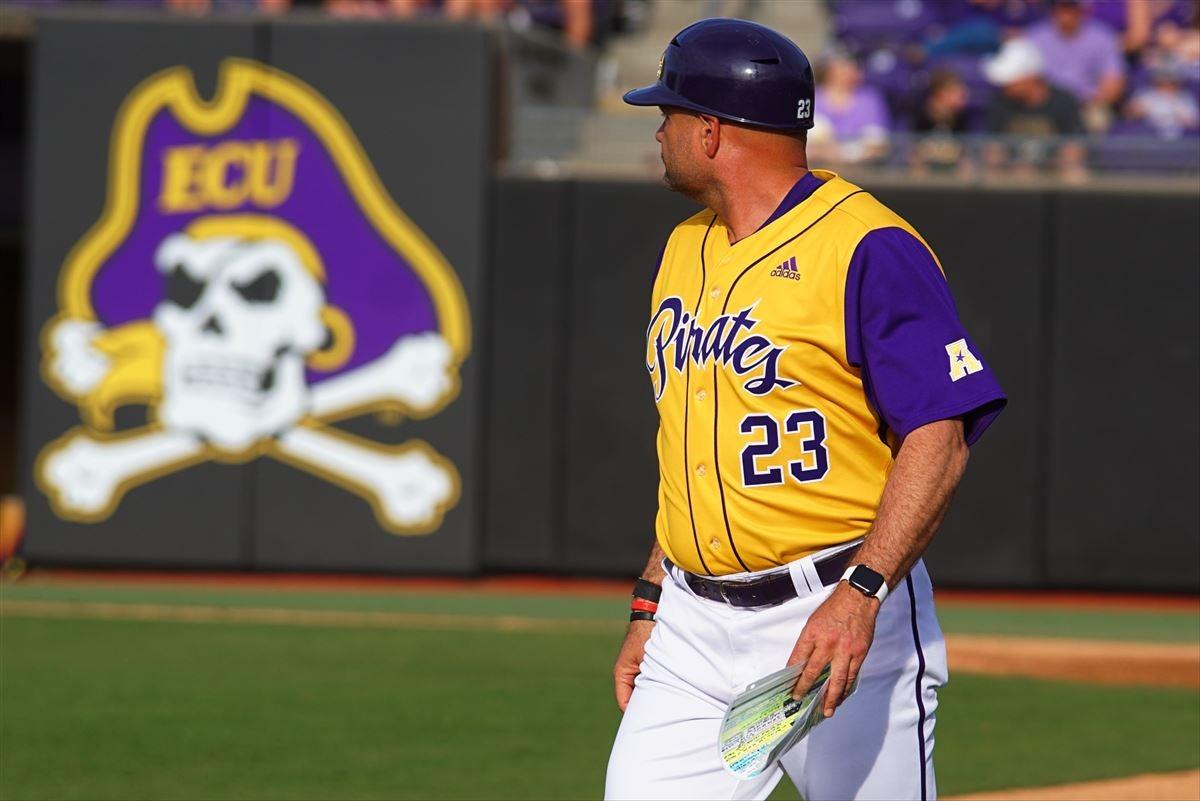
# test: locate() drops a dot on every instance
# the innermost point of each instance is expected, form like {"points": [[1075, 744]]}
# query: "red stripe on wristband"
{"points": [[642, 605]]}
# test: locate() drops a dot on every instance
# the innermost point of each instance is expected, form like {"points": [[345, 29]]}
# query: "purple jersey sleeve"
{"points": [[902, 330]]}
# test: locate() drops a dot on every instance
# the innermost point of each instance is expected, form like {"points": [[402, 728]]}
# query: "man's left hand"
{"points": [[838, 634]]}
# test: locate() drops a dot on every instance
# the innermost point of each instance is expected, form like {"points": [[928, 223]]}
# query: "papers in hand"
{"points": [[764, 721]]}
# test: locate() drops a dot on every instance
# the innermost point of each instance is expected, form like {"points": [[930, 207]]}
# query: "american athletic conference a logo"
{"points": [[249, 283], [674, 336]]}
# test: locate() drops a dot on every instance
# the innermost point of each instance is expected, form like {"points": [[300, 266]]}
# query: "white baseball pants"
{"points": [[878, 744]]}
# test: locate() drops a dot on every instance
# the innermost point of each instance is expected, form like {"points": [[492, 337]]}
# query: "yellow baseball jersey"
{"points": [[770, 442]]}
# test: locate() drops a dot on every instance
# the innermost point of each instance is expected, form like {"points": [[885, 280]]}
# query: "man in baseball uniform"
{"points": [[817, 396]]}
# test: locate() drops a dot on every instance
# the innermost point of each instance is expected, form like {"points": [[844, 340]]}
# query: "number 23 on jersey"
{"points": [[760, 467]]}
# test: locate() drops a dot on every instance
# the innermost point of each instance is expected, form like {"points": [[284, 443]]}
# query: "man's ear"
{"points": [[710, 131]]}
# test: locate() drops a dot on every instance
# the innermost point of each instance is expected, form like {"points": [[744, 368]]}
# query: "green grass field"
{"points": [[121, 708]]}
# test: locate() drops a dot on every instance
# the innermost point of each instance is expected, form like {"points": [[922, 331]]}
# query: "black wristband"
{"points": [[647, 590], [641, 616]]}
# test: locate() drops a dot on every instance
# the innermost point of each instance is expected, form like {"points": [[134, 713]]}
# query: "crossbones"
{"points": [[240, 319]]}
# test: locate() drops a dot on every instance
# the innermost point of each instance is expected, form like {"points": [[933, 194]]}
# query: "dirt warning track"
{"points": [[1095, 661], [1098, 661], [271, 616], [558, 585], [1182, 786]]}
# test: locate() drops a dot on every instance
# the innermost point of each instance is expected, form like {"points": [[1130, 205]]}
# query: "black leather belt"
{"points": [[769, 590]]}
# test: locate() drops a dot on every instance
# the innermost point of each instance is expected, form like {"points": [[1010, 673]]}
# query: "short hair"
{"points": [[942, 78]]}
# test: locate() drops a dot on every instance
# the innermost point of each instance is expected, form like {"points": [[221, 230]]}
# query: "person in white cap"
{"points": [[1030, 112]]}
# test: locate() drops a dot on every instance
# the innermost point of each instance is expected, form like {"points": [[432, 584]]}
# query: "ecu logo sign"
{"points": [[250, 283]]}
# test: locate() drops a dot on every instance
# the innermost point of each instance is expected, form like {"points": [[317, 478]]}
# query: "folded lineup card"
{"points": [[764, 721]]}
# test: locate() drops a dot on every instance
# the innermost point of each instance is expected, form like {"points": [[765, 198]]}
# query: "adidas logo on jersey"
{"points": [[787, 270]]}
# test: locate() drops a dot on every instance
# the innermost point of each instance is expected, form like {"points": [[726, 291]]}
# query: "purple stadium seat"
{"points": [[1125, 127], [1007, 14], [901, 83], [863, 25]]}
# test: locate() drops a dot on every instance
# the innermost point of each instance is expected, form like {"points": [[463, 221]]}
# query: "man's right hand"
{"points": [[629, 660]]}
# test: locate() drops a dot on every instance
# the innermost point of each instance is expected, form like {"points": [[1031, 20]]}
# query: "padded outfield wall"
{"points": [[277, 319], [255, 294], [1083, 303]]}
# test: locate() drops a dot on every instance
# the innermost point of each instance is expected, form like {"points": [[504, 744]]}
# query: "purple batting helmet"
{"points": [[736, 70]]}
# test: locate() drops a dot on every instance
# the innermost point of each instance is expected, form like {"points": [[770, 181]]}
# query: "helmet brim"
{"points": [[658, 95]]}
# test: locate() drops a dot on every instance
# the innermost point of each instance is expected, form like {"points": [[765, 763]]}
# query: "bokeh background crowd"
{"points": [[959, 86]]}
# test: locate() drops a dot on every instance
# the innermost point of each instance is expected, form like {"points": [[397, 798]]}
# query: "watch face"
{"points": [[866, 580]]}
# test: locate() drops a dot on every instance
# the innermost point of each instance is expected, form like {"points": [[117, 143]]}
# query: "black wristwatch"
{"points": [[866, 581]]}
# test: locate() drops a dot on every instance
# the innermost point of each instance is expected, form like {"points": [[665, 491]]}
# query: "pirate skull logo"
{"points": [[245, 315], [239, 320]]}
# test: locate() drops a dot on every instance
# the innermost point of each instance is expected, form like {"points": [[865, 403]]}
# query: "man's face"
{"points": [[842, 73], [1068, 18], [685, 164], [1024, 90]]}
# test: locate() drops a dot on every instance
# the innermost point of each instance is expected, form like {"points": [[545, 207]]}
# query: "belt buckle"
{"points": [[724, 595]]}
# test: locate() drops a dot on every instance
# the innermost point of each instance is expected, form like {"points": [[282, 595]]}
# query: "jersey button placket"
{"points": [[715, 296], [701, 445]]}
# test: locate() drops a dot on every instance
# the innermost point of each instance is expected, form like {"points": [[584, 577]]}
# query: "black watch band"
{"points": [[866, 581]]}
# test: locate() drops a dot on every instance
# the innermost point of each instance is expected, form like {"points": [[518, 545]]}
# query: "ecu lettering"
{"points": [[230, 174]]}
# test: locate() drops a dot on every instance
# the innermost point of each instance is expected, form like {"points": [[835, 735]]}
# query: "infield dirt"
{"points": [[1181, 786], [1095, 661]]}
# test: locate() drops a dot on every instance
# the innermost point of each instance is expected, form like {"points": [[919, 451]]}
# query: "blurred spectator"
{"points": [[1030, 111], [944, 109], [743, 9], [850, 121], [574, 18], [861, 26], [474, 9], [577, 20], [1165, 106], [979, 26], [376, 9], [1137, 20], [941, 116], [1011, 16], [1179, 46], [197, 7], [202, 7], [1082, 56], [972, 34]]}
